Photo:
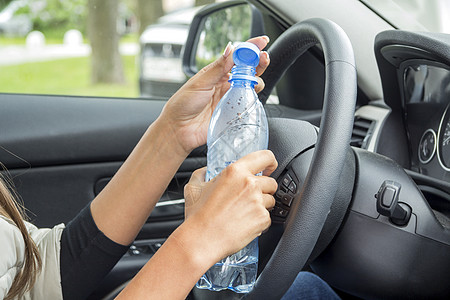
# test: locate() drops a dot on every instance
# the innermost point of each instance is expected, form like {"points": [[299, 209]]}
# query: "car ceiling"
{"points": [[361, 27]]}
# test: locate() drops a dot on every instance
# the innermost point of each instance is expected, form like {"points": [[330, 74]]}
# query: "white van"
{"points": [[162, 45]]}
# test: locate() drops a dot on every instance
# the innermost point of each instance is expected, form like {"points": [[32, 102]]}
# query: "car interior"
{"points": [[360, 128]]}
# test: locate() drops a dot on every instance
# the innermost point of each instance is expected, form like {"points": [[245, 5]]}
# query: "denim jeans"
{"points": [[308, 286]]}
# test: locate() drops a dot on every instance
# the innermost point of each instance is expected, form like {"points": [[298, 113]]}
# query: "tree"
{"points": [[148, 11], [106, 62], [55, 17], [203, 2], [4, 3], [231, 24]]}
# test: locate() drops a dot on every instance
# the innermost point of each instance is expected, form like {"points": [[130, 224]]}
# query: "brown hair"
{"points": [[10, 208]]}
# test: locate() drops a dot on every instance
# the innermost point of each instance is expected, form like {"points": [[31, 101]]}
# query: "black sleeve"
{"points": [[87, 256]]}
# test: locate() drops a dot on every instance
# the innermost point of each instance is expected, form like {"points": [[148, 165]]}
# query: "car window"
{"points": [[114, 48]]}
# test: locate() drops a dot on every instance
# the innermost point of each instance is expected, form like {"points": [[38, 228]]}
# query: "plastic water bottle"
{"points": [[238, 127]]}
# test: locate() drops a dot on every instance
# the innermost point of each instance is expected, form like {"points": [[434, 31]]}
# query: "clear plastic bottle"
{"points": [[238, 127]]}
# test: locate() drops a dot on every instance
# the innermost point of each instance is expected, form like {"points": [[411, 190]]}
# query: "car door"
{"points": [[61, 151], [60, 146]]}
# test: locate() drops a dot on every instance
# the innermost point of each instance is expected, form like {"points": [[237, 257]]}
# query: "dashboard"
{"points": [[411, 125], [415, 74], [426, 99]]}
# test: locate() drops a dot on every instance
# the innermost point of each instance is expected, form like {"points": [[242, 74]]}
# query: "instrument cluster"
{"points": [[426, 91]]}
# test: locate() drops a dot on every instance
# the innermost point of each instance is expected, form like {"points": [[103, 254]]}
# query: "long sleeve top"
{"points": [[12, 253]]}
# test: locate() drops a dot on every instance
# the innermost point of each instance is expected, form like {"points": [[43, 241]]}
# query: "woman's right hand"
{"points": [[188, 112], [227, 213]]}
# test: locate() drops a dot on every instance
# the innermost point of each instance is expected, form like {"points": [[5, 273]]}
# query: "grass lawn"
{"points": [[12, 40], [69, 76], [58, 39]]}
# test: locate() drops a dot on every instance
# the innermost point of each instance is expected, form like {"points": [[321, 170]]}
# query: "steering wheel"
{"points": [[289, 139], [312, 203]]}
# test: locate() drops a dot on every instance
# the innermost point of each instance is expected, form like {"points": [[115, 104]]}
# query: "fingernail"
{"points": [[266, 38], [227, 50], [267, 54]]}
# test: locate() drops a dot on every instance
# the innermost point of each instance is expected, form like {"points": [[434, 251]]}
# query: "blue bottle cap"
{"points": [[246, 54]]}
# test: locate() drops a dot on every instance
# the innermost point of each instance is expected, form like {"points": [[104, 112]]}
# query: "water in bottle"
{"points": [[238, 127]]}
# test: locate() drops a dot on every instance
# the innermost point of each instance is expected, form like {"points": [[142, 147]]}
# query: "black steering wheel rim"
{"points": [[309, 212]]}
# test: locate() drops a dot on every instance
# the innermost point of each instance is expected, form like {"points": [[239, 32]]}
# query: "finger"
{"points": [[259, 161], [268, 185], [269, 201], [260, 86], [198, 177], [192, 194], [215, 71], [268, 223], [264, 61], [260, 41]]}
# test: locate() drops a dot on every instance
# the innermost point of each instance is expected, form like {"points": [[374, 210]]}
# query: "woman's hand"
{"points": [[227, 213], [188, 112], [232, 209]]}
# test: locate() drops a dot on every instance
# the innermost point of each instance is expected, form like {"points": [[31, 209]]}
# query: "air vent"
{"points": [[362, 132]]}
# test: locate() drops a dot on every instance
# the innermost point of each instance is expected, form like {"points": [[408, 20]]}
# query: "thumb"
{"points": [[198, 177], [193, 191]]}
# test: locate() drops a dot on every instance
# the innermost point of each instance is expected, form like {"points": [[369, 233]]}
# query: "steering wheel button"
{"points": [[279, 194], [277, 211], [283, 212], [286, 200], [293, 187], [287, 180]]}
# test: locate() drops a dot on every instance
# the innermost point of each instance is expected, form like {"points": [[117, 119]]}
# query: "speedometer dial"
{"points": [[427, 146], [444, 140]]}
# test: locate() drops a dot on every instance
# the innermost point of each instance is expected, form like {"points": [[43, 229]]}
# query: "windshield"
{"points": [[129, 48], [416, 15]]}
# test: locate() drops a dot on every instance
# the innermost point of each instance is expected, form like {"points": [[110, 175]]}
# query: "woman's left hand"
{"points": [[189, 110], [228, 212]]}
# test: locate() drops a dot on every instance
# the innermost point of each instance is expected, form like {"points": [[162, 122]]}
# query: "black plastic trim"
{"points": [[42, 130]]}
